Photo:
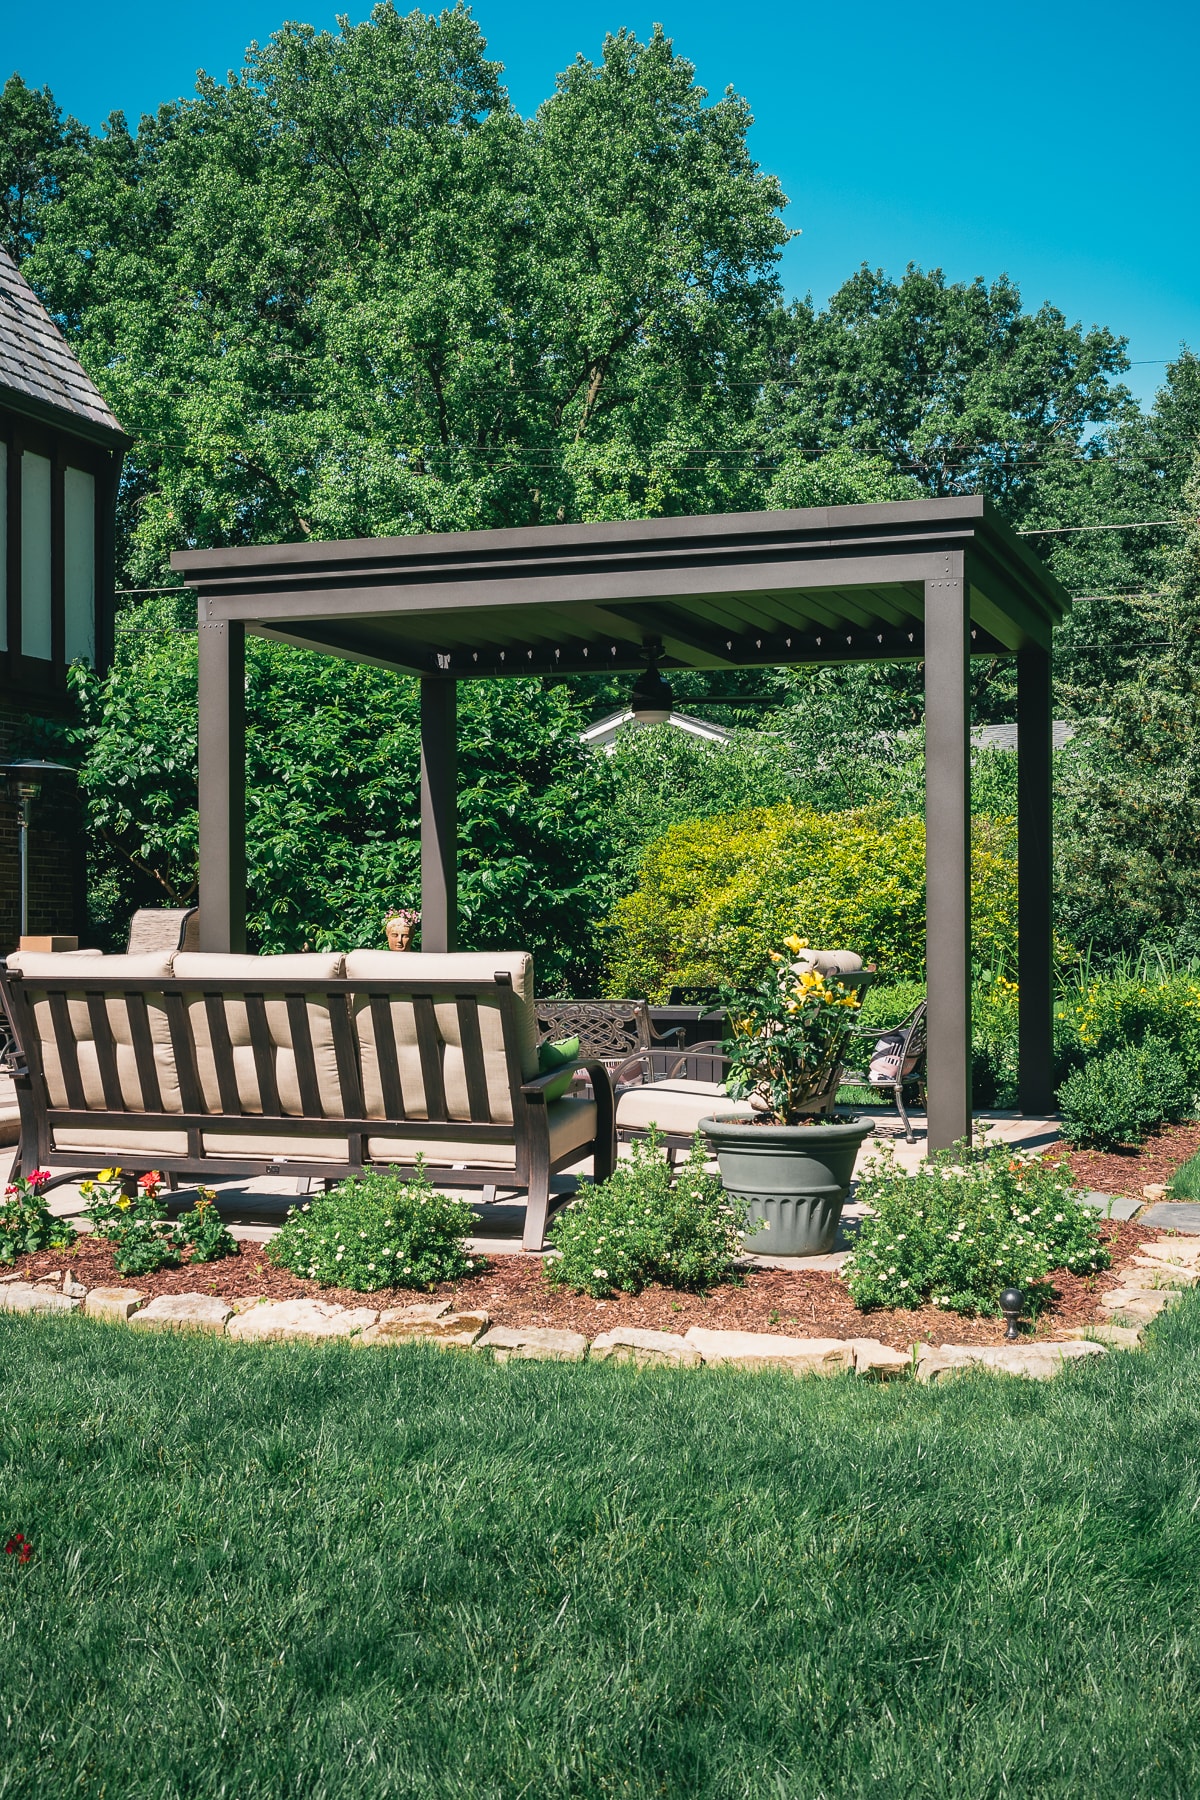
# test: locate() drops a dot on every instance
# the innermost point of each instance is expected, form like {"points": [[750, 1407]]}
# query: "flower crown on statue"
{"points": [[403, 915]]}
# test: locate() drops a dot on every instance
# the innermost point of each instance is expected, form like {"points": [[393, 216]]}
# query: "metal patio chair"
{"points": [[906, 1045]]}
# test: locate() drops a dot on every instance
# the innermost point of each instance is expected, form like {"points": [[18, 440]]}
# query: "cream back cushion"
{"points": [[829, 962], [18, 958], [240, 972], [403, 973], [42, 971]]}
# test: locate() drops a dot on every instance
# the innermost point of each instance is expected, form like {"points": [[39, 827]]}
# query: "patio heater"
{"points": [[25, 784]]}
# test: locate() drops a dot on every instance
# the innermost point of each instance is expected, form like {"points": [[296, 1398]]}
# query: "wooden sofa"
{"points": [[311, 1065]]}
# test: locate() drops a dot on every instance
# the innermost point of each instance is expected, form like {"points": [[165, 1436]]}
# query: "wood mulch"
{"points": [[514, 1291], [1129, 1170]]}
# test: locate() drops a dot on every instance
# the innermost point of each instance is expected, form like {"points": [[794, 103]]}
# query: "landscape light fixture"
{"points": [[652, 701], [1011, 1302], [25, 784]]}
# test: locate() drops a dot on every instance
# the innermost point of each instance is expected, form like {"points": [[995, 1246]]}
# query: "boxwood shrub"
{"points": [[1119, 1097]]}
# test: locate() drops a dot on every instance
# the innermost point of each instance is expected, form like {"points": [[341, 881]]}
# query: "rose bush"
{"points": [[26, 1222]]}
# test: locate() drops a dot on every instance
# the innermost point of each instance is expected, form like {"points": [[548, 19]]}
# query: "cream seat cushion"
{"points": [[303, 969], [17, 959], [677, 1105], [273, 1147], [572, 1125], [404, 973], [121, 1141], [39, 970]]}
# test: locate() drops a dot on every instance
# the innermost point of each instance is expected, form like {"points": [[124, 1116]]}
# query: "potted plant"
{"points": [[790, 1163]]}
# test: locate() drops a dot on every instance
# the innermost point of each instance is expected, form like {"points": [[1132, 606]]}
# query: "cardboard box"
{"points": [[48, 944]]}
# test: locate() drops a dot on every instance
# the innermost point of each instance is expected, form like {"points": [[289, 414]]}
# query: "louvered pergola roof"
{"points": [[825, 584]]}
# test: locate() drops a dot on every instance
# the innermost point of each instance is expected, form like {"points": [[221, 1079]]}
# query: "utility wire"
{"points": [[1134, 525]]}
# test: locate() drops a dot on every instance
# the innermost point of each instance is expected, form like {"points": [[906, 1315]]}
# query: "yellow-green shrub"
{"points": [[716, 895]]}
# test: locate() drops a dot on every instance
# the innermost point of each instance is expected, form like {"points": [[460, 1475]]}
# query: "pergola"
{"points": [[939, 580]]}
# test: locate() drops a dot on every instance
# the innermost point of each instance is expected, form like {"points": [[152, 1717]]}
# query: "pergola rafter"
{"points": [[938, 580]]}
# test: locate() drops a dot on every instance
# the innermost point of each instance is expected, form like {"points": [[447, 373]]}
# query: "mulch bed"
{"points": [[513, 1290], [1128, 1171]]}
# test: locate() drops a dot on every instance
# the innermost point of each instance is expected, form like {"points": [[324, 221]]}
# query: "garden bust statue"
{"points": [[400, 926]]}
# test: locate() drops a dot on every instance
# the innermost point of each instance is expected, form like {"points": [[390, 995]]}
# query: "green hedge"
{"points": [[716, 895]]}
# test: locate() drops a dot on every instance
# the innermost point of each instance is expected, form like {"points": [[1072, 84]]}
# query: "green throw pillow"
{"points": [[564, 1055]]}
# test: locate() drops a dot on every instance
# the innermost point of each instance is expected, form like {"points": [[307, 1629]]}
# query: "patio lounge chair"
{"points": [[158, 928], [317, 1065]]}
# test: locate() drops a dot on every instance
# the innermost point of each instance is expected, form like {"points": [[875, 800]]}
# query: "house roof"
{"points": [[820, 584], [1004, 737], [39, 375], [603, 734]]}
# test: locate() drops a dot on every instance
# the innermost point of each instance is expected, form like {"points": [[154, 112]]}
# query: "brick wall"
{"points": [[57, 860]]}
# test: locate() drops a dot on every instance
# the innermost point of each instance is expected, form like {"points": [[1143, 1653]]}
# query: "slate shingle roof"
{"points": [[36, 364]]}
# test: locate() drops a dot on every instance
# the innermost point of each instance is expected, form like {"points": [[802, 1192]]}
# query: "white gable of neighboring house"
{"points": [[603, 734], [1004, 737]]}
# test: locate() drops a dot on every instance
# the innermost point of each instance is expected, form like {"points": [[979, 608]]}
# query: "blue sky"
{"points": [[1049, 141]]}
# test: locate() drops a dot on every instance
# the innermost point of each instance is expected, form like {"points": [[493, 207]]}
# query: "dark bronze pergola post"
{"points": [[1035, 876], [222, 760], [948, 853], [439, 813]]}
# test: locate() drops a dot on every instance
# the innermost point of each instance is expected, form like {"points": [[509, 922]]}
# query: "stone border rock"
{"points": [[1160, 1274]]}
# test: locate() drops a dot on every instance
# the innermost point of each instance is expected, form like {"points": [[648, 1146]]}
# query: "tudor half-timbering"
{"points": [[60, 461]]}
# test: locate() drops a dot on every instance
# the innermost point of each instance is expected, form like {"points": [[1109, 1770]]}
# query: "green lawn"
{"points": [[335, 1572]]}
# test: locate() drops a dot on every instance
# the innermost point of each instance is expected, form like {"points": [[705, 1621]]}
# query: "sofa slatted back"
{"points": [[254, 1054]]}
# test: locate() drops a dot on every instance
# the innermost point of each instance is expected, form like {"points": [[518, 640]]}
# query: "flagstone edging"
{"points": [[255, 1320]]}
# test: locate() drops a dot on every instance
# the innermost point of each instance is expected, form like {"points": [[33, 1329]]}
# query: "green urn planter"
{"points": [[794, 1178]]}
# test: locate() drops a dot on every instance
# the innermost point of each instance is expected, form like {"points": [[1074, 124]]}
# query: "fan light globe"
{"points": [[652, 700]]}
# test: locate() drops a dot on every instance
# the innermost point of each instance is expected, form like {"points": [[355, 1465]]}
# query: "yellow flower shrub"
{"points": [[716, 895], [1109, 1013]]}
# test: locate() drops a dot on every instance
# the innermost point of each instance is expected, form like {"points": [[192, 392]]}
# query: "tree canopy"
{"points": [[350, 290]]}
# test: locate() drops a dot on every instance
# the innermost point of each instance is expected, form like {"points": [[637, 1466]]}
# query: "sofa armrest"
{"points": [[606, 1105], [534, 1095], [535, 1089], [702, 1062], [645, 1066]]}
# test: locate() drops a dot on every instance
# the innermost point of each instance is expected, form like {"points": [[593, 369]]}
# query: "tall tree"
{"points": [[1129, 802], [352, 291], [39, 151], [1131, 478], [951, 381]]}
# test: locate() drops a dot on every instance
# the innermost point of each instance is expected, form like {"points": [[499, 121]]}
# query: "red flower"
{"points": [[19, 1546], [11, 1189], [151, 1179]]}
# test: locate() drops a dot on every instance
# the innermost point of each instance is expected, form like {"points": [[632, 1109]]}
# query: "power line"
{"points": [[1134, 525]]}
